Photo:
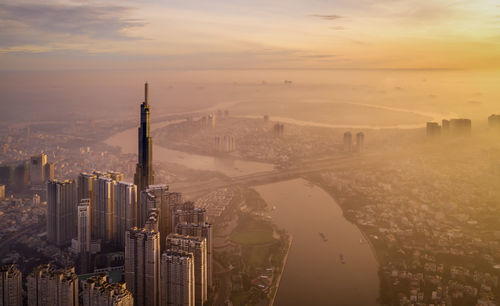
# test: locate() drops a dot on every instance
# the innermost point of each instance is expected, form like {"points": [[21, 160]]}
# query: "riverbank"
{"points": [[277, 286]]}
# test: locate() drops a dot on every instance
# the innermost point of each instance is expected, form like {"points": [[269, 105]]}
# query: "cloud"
{"points": [[327, 17], [338, 28], [35, 23]]}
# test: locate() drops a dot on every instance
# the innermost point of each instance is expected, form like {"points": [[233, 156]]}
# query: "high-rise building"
{"points": [[360, 141], [142, 265], [21, 177], [188, 214], [197, 246], [49, 171], [144, 175], [461, 126], [433, 129], [97, 291], [494, 122], [37, 169], [48, 286], [445, 127], [159, 197], [11, 290], [102, 219], [84, 226], [347, 142], [177, 279], [61, 211], [202, 230], [124, 210], [85, 185]]}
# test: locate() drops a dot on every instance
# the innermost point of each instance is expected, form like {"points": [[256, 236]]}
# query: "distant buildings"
{"points": [[279, 129], [51, 287], [37, 169], [224, 143], [198, 247], [433, 129], [142, 265], [347, 142], [11, 289], [61, 211], [360, 141], [494, 122], [453, 127], [177, 279], [2, 192], [97, 291]]}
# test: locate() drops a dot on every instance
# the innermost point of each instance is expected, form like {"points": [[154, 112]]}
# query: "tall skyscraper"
{"points": [[11, 289], [61, 211], [97, 291], [347, 142], [202, 230], [47, 286], [462, 127], [124, 210], [37, 169], [197, 246], [144, 175], [177, 279], [494, 122], [102, 219], [159, 197], [433, 129], [84, 226], [142, 265]]}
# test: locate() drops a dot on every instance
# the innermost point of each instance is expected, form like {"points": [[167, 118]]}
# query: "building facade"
{"points": [[11, 290], [124, 210], [177, 279], [61, 211], [51, 287]]}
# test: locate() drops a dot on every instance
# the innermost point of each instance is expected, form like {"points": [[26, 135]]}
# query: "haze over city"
{"points": [[299, 152]]}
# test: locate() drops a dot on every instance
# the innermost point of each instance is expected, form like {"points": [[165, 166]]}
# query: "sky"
{"points": [[249, 34]]}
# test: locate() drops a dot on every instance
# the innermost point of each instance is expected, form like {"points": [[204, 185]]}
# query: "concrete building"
{"points": [[360, 142], [37, 169], [188, 214], [124, 210], [102, 219], [11, 290], [84, 226], [2, 192], [201, 230], [445, 127], [61, 211], [347, 142], [433, 129], [197, 246], [159, 197], [494, 122], [461, 127], [85, 185], [50, 287], [49, 171], [142, 266], [97, 291], [177, 279]]}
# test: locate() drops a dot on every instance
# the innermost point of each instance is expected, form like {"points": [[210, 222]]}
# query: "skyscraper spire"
{"points": [[144, 170]]}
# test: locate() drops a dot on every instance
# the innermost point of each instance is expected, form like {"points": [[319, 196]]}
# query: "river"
{"points": [[127, 141], [314, 273]]}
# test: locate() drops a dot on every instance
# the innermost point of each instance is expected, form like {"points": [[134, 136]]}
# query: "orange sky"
{"points": [[256, 34]]}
